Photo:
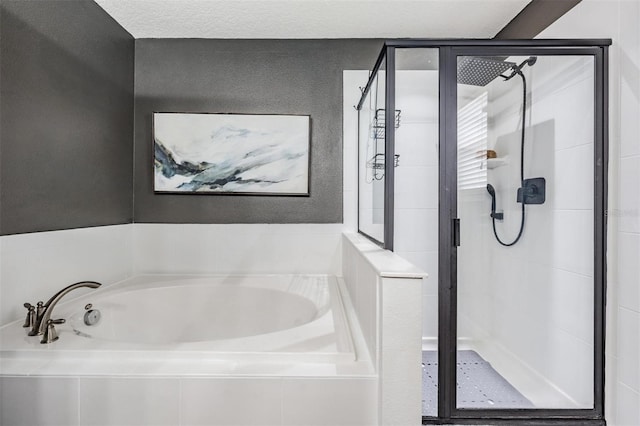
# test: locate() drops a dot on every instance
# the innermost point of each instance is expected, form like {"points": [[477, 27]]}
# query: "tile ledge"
{"points": [[386, 263]]}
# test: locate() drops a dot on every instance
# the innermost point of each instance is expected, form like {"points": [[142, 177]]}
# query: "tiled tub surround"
{"points": [[310, 374], [150, 389]]}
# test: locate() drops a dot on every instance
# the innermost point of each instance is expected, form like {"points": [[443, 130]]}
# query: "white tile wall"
{"points": [[362, 284], [618, 19], [329, 402], [628, 269], [535, 300], [629, 348], [388, 305], [129, 401], [211, 401], [629, 202], [45, 401], [401, 351], [231, 401], [416, 182], [35, 266], [237, 248], [416, 230], [627, 407]]}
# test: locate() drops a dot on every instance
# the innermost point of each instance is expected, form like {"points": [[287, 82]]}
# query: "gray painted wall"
{"points": [[246, 76], [66, 117]]}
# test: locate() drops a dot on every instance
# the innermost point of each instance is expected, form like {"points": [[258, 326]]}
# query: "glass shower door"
{"points": [[525, 263]]}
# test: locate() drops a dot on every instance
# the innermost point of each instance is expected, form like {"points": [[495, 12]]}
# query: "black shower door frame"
{"points": [[449, 237], [449, 51]]}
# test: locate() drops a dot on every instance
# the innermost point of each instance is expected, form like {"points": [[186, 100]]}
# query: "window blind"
{"points": [[472, 144]]}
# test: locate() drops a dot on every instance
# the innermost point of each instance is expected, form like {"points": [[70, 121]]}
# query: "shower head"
{"points": [[517, 69], [480, 71]]}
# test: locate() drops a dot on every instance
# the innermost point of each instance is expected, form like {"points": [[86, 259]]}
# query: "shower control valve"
{"points": [[533, 191]]}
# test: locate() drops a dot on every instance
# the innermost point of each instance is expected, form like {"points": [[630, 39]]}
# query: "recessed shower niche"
{"points": [[490, 174]]}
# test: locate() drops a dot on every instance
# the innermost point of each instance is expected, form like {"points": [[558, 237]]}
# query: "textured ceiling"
{"points": [[312, 18]]}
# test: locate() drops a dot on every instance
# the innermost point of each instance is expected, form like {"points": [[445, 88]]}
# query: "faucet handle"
{"points": [[50, 334], [31, 315], [40, 308]]}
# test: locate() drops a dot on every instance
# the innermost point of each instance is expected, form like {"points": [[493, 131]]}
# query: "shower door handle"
{"points": [[456, 232]]}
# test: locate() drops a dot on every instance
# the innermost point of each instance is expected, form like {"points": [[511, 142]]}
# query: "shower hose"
{"points": [[522, 134]]}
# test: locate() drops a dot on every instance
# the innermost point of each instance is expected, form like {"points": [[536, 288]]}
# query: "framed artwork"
{"points": [[207, 153]]}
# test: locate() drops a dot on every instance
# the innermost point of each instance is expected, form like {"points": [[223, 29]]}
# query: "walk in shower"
{"points": [[485, 164]]}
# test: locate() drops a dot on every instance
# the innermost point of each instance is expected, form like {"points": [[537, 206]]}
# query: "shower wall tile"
{"points": [[628, 350], [569, 303], [570, 187], [429, 316], [417, 143], [416, 230], [618, 19], [574, 104], [416, 188], [573, 241], [350, 211], [629, 112], [570, 367], [35, 266], [628, 406], [629, 199], [535, 299], [628, 270]]}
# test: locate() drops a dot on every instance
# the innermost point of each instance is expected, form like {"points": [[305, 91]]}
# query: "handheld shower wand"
{"points": [[492, 192]]}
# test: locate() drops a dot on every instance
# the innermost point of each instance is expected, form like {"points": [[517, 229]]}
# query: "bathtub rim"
{"points": [[14, 364], [46, 363]]}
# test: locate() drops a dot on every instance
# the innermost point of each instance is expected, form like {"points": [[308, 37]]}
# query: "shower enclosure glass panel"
{"points": [[416, 191], [525, 292], [371, 159]]}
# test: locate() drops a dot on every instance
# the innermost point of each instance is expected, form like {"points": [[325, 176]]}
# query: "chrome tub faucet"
{"points": [[39, 316]]}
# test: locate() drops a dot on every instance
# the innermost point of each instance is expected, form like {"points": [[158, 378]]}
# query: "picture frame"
{"points": [[228, 153]]}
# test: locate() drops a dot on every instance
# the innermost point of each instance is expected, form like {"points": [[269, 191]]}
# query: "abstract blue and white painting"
{"points": [[231, 153]]}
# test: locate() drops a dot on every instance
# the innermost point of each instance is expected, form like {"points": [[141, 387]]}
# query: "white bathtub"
{"points": [[266, 318]]}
